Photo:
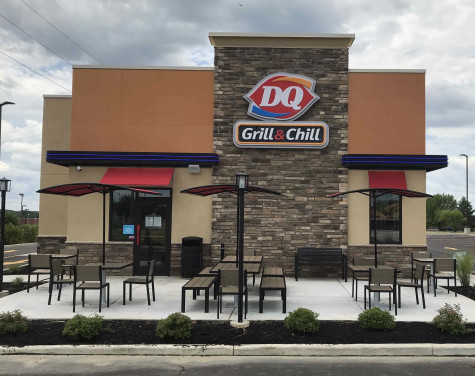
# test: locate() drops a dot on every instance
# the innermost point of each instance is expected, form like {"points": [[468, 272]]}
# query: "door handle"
{"points": [[138, 235]]}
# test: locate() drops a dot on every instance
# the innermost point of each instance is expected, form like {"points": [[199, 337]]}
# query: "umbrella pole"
{"points": [[238, 216], [103, 229], [373, 196], [241, 251]]}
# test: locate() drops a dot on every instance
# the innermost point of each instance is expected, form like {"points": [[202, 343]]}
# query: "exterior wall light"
{"points": [[194, 169]]}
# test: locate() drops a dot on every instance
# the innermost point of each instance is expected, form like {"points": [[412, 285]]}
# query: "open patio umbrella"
{"points": [[240, 188], [81, 189], [373, 194]]}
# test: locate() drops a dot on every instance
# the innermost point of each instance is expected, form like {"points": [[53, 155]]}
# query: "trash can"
{"points": [[191, 256]]}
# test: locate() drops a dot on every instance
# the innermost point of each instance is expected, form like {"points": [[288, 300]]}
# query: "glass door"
{"points": [[152, 232]]}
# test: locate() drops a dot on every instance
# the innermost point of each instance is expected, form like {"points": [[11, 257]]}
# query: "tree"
{"points": [[451, 218], [437, 203], [465, 207], [11, 218]]}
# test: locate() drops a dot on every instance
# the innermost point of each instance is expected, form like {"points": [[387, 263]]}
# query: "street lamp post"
{"points": [[466, 230], [242, 181], [21, 207], [5, 186], [1, 105]]}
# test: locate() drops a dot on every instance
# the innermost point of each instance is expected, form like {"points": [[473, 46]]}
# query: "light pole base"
{"points": [[237, 324], [466, 230]]}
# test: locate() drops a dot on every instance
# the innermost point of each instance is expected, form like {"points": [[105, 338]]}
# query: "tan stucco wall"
{"points": [[142, 110], [191, 215], [56, 136], [84, 219], [386, 113], [413, 210]]}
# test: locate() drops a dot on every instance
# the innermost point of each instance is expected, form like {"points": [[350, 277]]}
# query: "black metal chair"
{"points": [[70, 263], [56, 278], [417, 284], [144, 280], [422, 254], [360, 276], [38, 265], [444, 268], [382, 280], [90, 277], [229, 285]]}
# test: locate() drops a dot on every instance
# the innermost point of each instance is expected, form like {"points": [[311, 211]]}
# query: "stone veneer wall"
{"points": [[276, 226], [395, 255]]}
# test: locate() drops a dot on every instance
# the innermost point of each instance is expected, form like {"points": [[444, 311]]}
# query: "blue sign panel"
{"points": [[128, 229]]}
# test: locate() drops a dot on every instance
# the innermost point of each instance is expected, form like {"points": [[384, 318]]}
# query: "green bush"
{"points": [[13, 322], [82, 327], [16, 285], [15, 269], [302, 320], [450, 320], [176, 326], [13, 234], [29, 233], [464, 268], [376, 319], [12, 218]]}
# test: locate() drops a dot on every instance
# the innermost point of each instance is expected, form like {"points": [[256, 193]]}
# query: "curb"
{"points": [[366, 350]]}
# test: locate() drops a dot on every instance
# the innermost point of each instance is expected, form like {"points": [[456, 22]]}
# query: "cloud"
{"points": [[437, 36]]}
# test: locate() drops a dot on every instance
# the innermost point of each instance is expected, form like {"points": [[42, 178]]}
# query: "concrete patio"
{"points": [[330, 298]]}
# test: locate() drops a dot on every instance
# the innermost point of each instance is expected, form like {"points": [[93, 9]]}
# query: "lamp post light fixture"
{"points": [[5, 185], [467, 227], [1, 105]]}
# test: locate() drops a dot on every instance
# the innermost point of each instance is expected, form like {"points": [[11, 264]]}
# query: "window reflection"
{"points": [[388, 219]]}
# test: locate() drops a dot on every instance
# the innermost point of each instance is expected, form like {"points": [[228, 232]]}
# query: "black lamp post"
{"points": [[242, 181], [5, 186], [466, 186], [1, 105]]}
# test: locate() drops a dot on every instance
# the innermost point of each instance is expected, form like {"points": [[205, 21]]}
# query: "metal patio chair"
{"points": [[90, 278], [228, 285], [38, 265], [56, 278], [417, 283], [141, 280], [382, 280], [444, 268]]}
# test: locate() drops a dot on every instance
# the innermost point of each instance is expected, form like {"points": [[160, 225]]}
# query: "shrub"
{"points": [[176, 326], [13, 322], [302, 320], [29, 233], [15, 269], [450, 320], [82, 327], [376, 319], [464, 268], [12, 234]]}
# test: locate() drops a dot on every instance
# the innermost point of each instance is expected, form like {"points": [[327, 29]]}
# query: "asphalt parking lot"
{"points": [[445, 244]]}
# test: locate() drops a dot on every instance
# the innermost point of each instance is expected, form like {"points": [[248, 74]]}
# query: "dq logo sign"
{"points": [[281, 96]]}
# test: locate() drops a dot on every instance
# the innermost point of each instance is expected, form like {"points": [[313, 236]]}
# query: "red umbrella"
{"points": [[374, 193], [81, 189]]}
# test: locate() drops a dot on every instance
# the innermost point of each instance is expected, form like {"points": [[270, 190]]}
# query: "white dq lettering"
{"points": [[282, 96]]}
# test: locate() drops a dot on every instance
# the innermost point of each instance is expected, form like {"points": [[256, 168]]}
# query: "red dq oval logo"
{"points": [[281, 96]]}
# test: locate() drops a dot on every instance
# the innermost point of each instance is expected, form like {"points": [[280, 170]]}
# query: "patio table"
{"points": [[251, 259], [251, 267]]}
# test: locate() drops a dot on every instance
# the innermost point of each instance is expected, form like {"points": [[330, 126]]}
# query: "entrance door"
{"points": [[153, 232]]}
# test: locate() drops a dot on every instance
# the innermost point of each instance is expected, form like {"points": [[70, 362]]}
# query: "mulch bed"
{"points": [[44, 332]]}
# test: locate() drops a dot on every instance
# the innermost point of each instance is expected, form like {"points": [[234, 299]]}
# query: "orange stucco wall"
{"points": [[386, 113], [145, 110]]}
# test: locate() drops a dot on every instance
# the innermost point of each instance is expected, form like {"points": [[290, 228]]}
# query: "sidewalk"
{"points": [[330, 298]]}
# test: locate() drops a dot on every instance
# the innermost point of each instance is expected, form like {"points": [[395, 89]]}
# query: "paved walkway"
{"points": [[331, 298]]}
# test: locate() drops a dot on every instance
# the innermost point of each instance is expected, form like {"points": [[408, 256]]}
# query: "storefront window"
{"points": [[388, 219], [124, 214], [121, 214]]}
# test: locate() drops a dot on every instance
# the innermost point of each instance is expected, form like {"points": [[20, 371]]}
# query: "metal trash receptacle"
{"points": [[191, 256]]}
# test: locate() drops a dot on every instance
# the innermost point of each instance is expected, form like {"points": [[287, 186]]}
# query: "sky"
{"points": [[40, 40]]}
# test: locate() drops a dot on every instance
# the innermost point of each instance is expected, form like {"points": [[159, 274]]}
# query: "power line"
{"points": [[66, 36], [77, 23], [39, 74], [37, 41]]}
